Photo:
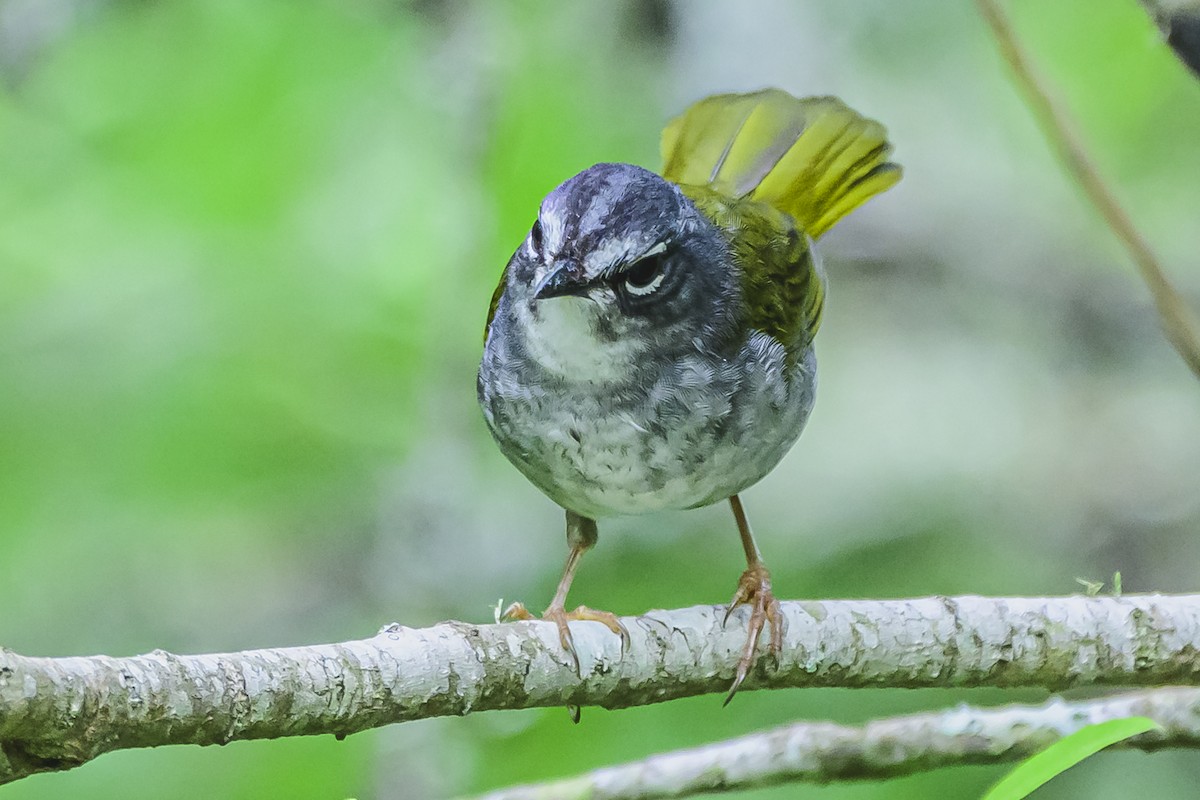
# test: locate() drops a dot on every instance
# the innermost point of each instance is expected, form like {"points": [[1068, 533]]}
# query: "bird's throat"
{"points": [[562, 334]]}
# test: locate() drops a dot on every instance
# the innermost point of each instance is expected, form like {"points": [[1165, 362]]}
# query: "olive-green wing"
{"points": [[813, 158], [783, 287], [495, 302]]}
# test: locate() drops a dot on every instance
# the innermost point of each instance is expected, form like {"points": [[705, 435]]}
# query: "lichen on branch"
{"points": [[57, 713]]}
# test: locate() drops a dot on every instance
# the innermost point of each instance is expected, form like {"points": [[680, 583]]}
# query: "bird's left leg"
{"points": [[581, 536], [754, 589]]}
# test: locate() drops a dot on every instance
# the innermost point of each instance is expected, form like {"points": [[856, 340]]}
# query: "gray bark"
{"points": [[57, 713]]}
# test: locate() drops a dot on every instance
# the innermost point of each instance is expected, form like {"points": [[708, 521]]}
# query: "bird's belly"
{"points": [[612, 464], [696, 436], [615, 468]]}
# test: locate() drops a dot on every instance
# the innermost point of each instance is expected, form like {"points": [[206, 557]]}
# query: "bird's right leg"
{"points": [[754, 590], [581, 536]]}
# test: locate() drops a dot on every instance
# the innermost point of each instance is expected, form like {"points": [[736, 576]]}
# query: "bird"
{"points": [[650, 343]]}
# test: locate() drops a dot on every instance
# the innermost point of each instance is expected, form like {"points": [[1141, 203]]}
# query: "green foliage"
{"points": [[1064, 754]]}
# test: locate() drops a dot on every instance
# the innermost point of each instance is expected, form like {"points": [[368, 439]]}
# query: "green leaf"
{"points": [[1064, 754]]}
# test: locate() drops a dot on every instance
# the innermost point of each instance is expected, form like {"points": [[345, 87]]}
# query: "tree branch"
{"points": [[821, 752], [57, 713], [1178, 321]]}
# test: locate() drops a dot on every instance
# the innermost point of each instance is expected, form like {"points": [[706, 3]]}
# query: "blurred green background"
{"points": [[246, 251]]}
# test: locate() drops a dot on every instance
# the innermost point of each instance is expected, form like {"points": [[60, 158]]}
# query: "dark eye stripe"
{"points": [[671, 285]]}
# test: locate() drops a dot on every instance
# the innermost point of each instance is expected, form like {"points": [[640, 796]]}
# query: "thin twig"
{"points": [[821, 752], [1178, 321]]}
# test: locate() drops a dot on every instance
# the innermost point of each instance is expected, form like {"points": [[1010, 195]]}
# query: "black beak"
{"points": [[567, 279]]}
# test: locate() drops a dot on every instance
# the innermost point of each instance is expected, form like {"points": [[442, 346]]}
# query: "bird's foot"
{"points": [[754, 590], [560, 617]]}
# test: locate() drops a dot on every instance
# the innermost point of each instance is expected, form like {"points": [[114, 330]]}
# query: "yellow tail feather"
{"points": [[813, 158]]}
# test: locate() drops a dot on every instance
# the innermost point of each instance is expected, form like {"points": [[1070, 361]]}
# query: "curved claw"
{"points": [[745, 592], [559, 617]]}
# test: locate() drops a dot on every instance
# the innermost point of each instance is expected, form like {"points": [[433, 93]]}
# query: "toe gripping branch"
{"points": [[561, 618], [754, 590]]}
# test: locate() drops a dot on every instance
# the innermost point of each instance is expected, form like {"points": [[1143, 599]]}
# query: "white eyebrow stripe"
{"points": [[661, 247], [553, 231], [615, 253]]}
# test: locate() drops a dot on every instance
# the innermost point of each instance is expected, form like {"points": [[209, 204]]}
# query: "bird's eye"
{"points": [[645, 276], [535, 236]]}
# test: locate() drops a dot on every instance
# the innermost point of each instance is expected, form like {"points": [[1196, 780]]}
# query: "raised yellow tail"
{"points": [[814, 158]]}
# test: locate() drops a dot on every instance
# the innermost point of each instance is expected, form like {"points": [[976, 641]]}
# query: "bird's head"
{"points": [[619, 267]]}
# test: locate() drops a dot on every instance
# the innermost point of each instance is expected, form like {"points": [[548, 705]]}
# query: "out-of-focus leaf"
{"points": [[1064, 754]]}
